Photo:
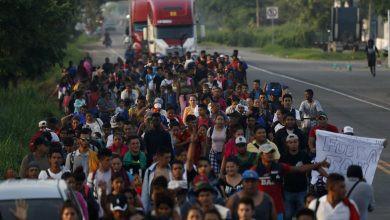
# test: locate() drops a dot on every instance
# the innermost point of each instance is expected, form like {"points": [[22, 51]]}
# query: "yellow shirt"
{"points": [[251, 147]]}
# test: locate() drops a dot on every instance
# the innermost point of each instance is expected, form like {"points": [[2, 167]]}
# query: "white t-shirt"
{"points": [[326, 212], [297, 116], [96, 126], [55, 176], [166, 82], [93, 183]]}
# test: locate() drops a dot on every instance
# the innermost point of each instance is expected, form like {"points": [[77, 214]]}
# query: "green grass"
{"points": [[23, 107], [309, 53]]}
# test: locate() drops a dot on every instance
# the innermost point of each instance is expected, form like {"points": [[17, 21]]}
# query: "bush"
{"points": [[288, 35]]}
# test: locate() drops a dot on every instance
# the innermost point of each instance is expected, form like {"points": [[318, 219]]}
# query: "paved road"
{"points": [[349, 97]]}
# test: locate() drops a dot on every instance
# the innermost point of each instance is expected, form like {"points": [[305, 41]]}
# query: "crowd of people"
{"points": [[183, 137]]}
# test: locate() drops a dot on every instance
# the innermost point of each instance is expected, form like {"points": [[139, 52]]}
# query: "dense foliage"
{"points": [[300, 23], [33, 36]]}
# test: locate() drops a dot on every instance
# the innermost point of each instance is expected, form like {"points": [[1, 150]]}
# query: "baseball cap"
{"points": [[322, 115], [160, 61], [266, 148], [291, 137], [33, 164], [177, 184], [42, 124], [118, 203], [348, 130], [157, 105], [158, 100], [201, 183], [240, 140], [250, 175], [41, 140]]}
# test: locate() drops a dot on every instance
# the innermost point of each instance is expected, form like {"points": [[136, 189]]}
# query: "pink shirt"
{"points": [[83, 204]]}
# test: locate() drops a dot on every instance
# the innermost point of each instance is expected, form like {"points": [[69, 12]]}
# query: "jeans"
{"points": [[293, 201]]}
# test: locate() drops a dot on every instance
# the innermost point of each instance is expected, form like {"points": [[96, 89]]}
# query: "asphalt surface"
{"points": [[353, 98]]}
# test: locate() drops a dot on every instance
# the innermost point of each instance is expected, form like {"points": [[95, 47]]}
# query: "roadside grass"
{"points": [[23, 107], [310, 53]]}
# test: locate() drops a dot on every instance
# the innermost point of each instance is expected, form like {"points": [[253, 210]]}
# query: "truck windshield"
{"points": [[139, 26], [175, 32]]}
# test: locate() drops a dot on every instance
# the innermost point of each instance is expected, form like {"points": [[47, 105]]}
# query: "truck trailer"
{"points": [[170, 27]]}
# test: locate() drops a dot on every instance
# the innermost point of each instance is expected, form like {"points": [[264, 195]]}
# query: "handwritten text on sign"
{"points": [[341, 151]]}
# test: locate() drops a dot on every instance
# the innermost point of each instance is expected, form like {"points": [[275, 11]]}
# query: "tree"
{"points": [[33, 36]]}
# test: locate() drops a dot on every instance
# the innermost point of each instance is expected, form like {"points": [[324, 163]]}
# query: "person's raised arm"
{"points": [[191, 151], [311, 143], [309, 167]]}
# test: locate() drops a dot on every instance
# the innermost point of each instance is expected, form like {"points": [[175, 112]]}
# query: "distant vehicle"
{"points": [[109, 25], [138, 21], [171, 27], [346, 30], [44, 198]]}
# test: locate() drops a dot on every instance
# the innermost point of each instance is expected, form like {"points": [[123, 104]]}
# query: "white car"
{"points": [[44, 198]]}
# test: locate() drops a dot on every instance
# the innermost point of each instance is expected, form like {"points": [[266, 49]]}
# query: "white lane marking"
{"points": [[320, 87]]}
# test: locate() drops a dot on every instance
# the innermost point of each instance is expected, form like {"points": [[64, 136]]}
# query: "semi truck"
{"points": [[138, 21], [345, 28], [171, 27]]}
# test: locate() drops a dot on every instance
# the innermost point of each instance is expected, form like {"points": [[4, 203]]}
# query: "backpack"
{"points": [[93, 206], [319, 188], [48, 174], [71, 160]]}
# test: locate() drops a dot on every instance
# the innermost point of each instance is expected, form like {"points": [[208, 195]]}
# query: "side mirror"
{"points": [[145, 33]]}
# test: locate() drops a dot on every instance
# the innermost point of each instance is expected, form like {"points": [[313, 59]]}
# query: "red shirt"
{"points": [[121, 149], [184, 136], [230, 148], [274, 189], [330, 128], [205, 121]]}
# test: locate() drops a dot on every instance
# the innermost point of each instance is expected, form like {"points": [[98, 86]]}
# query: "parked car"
{"points": [[44, 198]]}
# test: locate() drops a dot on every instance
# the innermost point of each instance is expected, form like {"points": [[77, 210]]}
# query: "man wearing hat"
{"points": [[42, 126], [322, 124], [359, 191], [295, 184], [204, 194], [263, 205], [118, 207], [271, 175], [290, 127], [39, 155], [32, 171]]}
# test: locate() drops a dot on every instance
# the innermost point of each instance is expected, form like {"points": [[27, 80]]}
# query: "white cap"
{"points": [[160, 61], [240, 140], [291, 137], [175, 184], [348, 130], [266, 148], [42, 124]]}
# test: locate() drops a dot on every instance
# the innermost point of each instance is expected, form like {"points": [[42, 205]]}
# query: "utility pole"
{"points": [[388, 38], [369, 19], [257, 14]]}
